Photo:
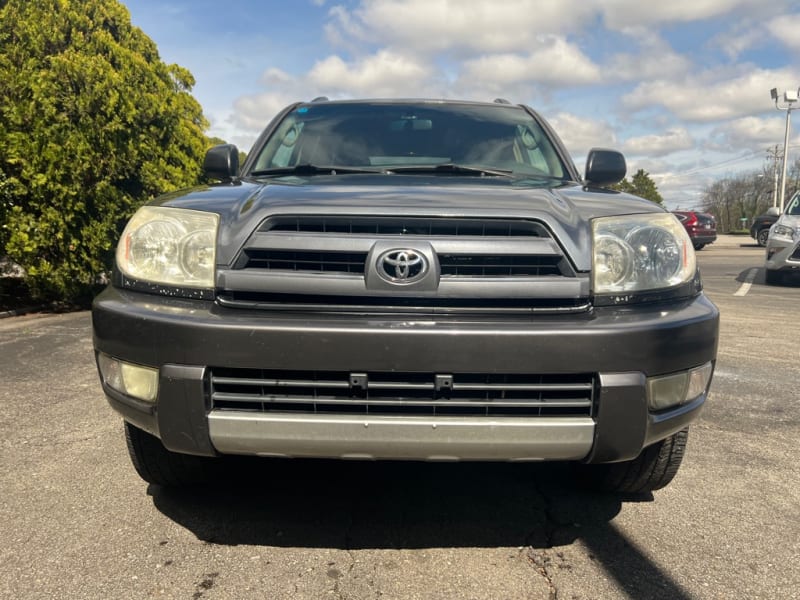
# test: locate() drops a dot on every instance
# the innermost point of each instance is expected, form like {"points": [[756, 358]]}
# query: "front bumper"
{"points": [[622, 346], [783, 254]]}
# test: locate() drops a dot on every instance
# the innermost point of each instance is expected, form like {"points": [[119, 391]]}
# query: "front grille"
{"points": [[319, 262], [337, 263], [500, 265], [411, 394], [796, 254], [404, 226], [455, 265]]}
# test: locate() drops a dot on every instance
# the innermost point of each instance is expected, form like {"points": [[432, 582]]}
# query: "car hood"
{"points": [[789, 221], [566, 210]]}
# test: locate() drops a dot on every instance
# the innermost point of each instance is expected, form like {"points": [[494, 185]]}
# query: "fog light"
{"points": [[699, 379], [126, 378], [663, 392], [678, 388]]}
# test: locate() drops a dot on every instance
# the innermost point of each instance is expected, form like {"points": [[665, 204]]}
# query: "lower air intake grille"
{"points": [[420, 394]]}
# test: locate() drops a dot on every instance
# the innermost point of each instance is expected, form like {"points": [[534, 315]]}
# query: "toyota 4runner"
{"points": [[415, 280]]}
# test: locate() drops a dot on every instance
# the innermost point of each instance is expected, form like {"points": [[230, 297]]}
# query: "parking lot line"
{"points": [[748, 281]]}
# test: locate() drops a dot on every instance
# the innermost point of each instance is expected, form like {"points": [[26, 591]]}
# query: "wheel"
{"points": [[653, 469], [699, 246], [155, 464], [774, 277], [762, 235]]}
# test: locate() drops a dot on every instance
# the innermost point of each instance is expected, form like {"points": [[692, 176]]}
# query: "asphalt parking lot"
{"points": [[76, 522]]}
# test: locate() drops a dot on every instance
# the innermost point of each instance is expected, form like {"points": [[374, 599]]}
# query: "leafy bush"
{"points": [[92, 124]]}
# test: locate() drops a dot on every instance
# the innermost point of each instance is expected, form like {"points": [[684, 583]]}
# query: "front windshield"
{"points": [[391, 135]]}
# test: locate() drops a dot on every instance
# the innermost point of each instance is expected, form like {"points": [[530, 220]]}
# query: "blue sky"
{"points": [[680, 86]]}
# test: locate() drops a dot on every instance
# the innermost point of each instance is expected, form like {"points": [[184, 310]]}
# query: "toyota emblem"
{"points": [[402, 266]]}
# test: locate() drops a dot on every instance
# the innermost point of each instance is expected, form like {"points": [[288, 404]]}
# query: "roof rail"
{"points": [[320, 99], [501, 101]]}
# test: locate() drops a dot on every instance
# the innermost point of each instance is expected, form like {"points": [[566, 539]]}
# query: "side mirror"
{"points": [[222, 162], [604, 167], [774, 211]]}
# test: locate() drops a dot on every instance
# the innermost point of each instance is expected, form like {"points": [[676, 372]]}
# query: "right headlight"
{"points": [[171, 246], [783, 231], [640, 253]]}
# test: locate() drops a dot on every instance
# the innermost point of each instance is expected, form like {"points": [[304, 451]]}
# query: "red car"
{"points": [[701, 227]]}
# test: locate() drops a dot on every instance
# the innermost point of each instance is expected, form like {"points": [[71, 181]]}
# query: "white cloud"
{"points": [[625, 14], [383, 74], [711, 96], [656, 145], [787, 30], [580, 134], [274, 76], [739, 38], [556, 63], [251, 113], [426, 26], [654, 59], [748, 132]]}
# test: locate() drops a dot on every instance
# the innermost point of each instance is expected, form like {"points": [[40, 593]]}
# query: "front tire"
{"points": [[762, 235], [155, 464], [699, 246], [652, 470]]}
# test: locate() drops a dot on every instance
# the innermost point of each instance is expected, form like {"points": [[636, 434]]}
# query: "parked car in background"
{"points": [[783, 244], [759, 230], [701, 227]]}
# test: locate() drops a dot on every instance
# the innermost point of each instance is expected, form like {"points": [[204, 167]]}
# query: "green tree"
{"points": [[92, 124], [641, 185]]}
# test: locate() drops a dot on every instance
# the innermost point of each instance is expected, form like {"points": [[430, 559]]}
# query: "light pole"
{"points": [[789, 97]]}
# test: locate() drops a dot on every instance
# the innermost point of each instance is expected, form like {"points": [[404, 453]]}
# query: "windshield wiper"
{"points": [[309, 169], [454, 169]]}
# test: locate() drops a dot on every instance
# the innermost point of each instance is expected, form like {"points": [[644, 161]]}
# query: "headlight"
{"points": [[173, 246], [783, 230], [636, 253]]}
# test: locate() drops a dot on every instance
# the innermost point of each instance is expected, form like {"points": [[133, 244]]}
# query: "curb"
{"points": [[17, 312]]}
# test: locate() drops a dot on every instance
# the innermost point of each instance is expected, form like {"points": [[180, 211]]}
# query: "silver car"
{"points": [[783, 244]]}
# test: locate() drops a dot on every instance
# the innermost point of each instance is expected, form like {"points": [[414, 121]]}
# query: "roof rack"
{"points": [[320, 99], [501, 101]]}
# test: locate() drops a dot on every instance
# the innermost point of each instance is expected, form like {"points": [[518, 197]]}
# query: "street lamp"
{"points": [[789, 97]]}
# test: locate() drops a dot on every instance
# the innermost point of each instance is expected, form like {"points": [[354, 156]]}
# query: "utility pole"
{"points": [[789, 97], [774, 155]]}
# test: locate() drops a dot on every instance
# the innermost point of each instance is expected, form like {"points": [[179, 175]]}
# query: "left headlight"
{"points": [[639, 253], [171, 246]]}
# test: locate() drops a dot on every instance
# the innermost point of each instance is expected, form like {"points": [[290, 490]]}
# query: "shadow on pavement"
{"points": [[790, 279], [394, 505]]}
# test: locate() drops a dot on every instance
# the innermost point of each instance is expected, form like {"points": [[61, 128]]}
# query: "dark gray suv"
{"points": [[416, 280]]}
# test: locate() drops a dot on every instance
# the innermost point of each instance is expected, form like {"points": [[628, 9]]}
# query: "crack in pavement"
{"points": [[541, 559]]}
